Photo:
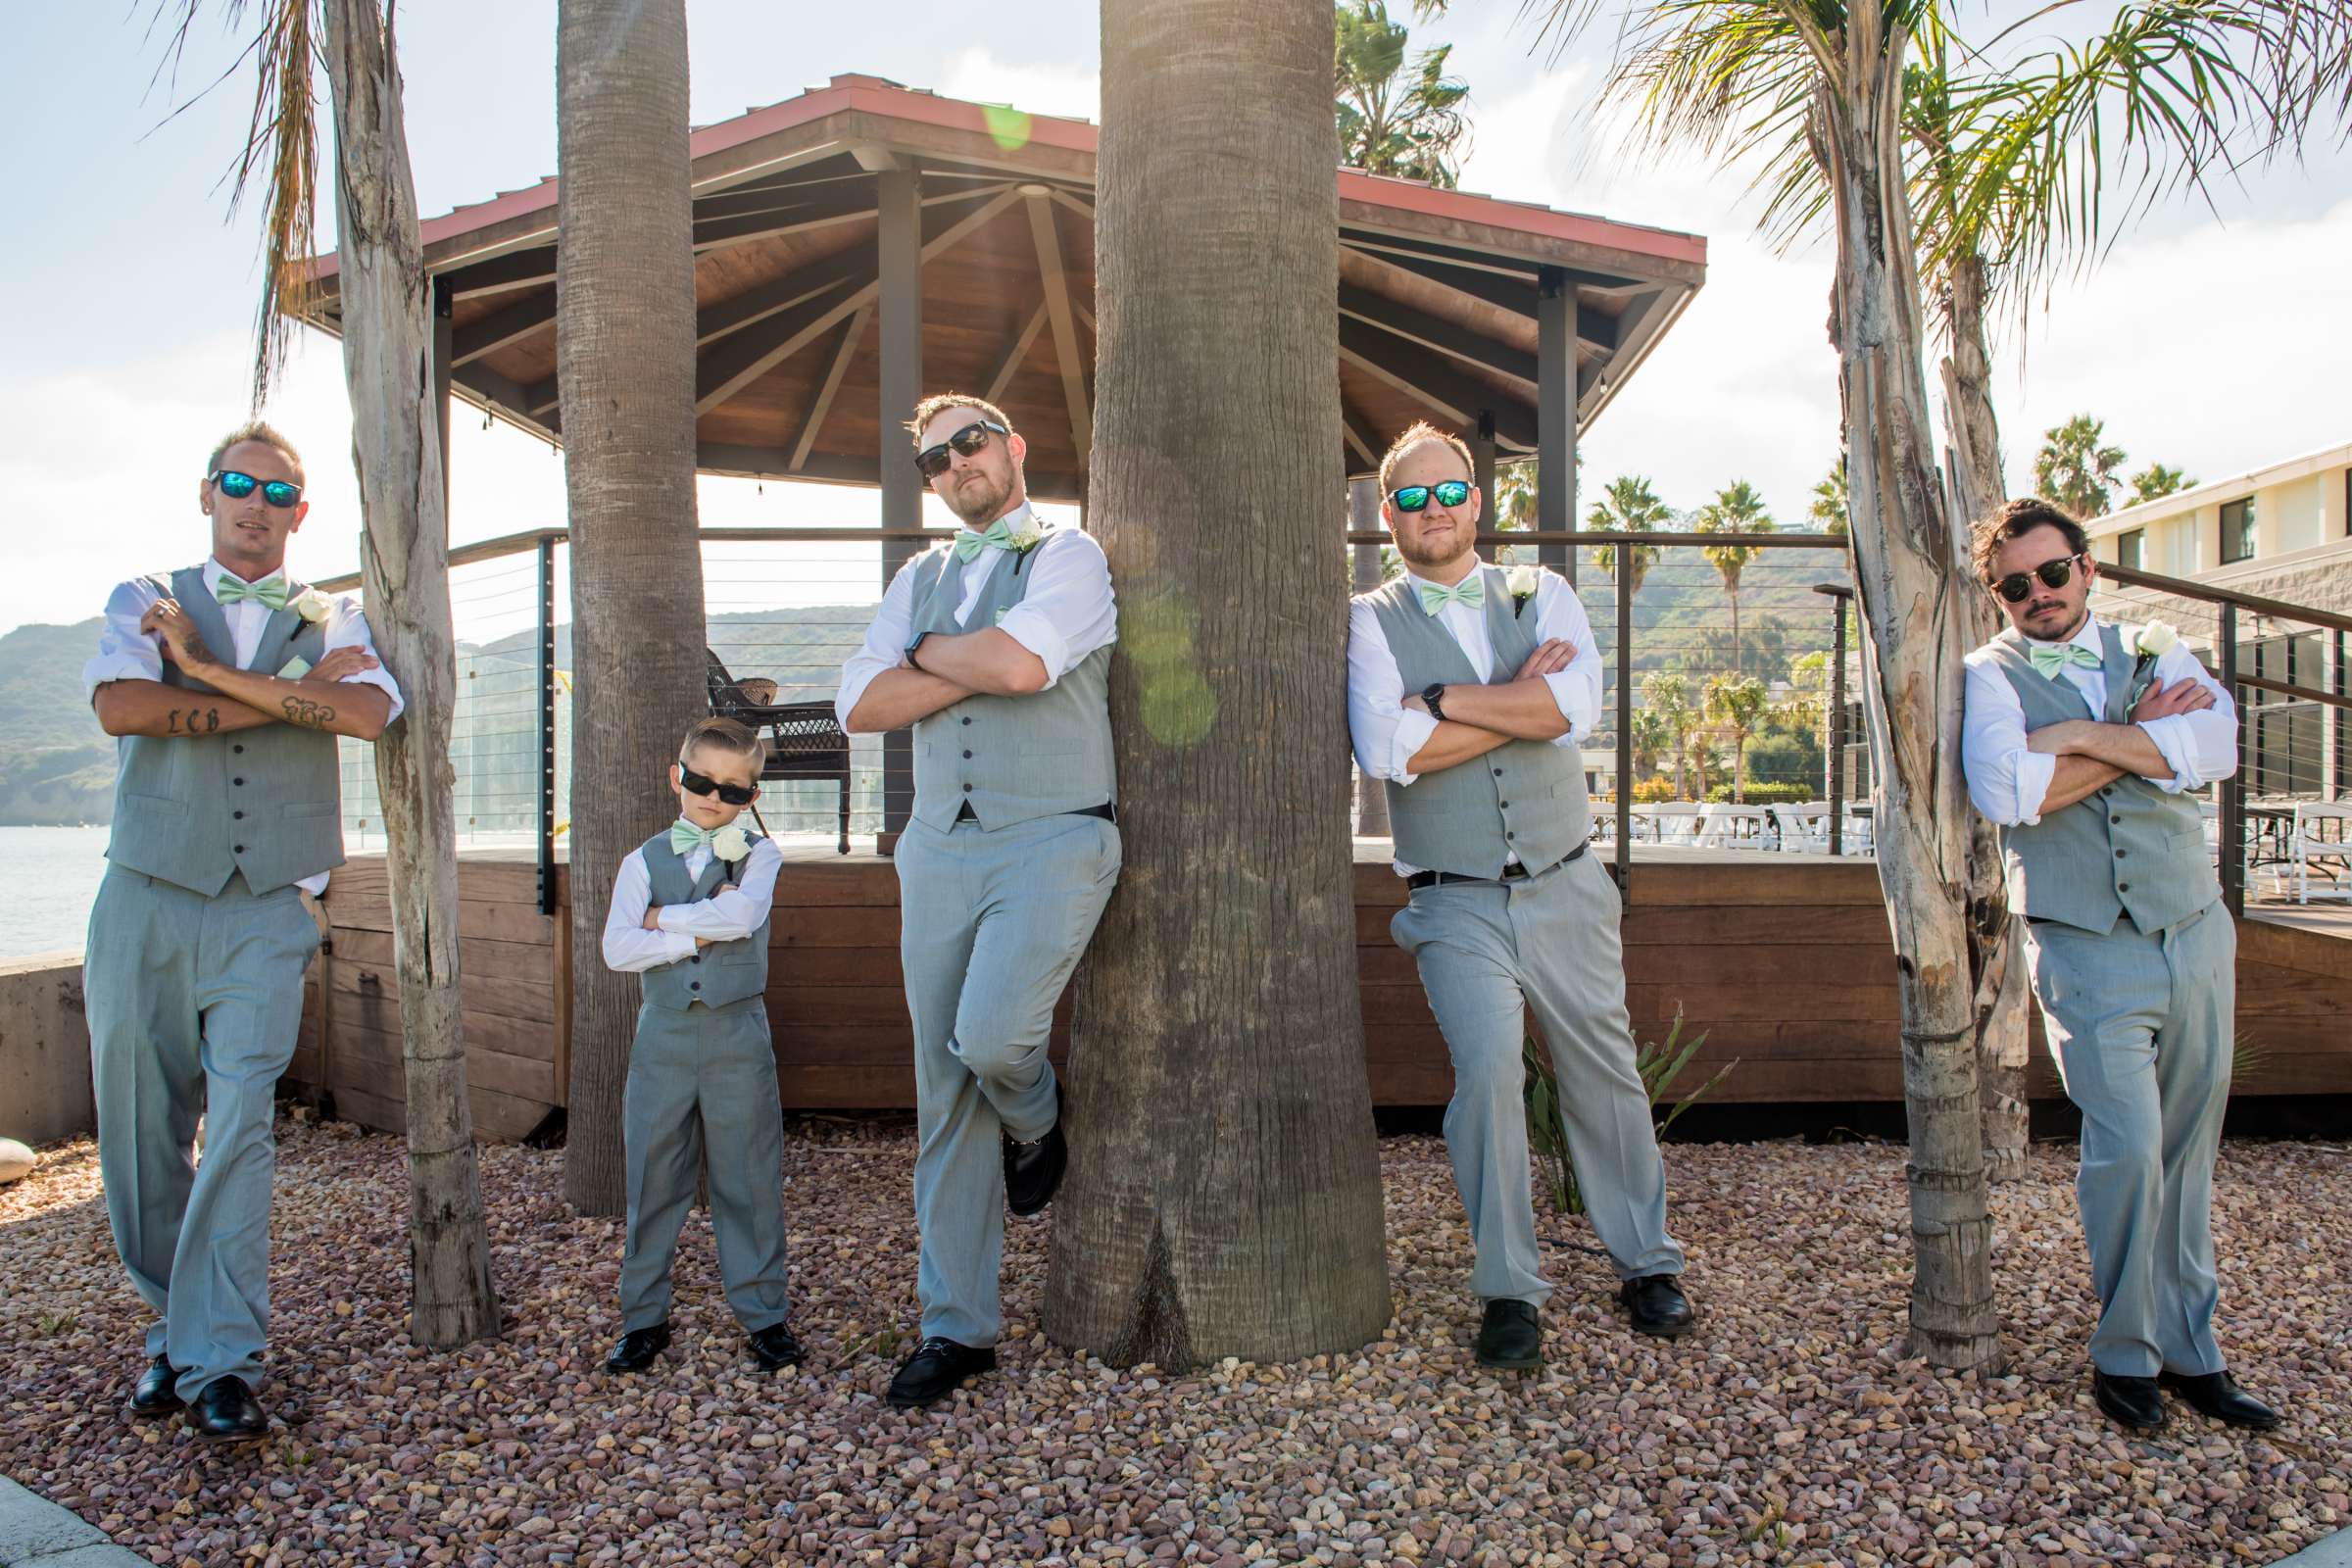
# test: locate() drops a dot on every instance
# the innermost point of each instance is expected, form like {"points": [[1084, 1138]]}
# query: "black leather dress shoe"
{"points": [[2218, 1395], [1511, 1337], [1658, 1305], [156, 1396], [225, 1410], [774, 1348], [1032, 1171], [2129, 1402], [637, 1348], [936, 1369]]}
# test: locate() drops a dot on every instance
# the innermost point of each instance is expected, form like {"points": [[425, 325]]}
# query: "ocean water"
{"points": [[55, 871]]}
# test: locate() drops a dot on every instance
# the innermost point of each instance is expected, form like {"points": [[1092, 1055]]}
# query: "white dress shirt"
{"points": [[729, 914], [1067, 612], [1387, 734], [2008, 781], [126, 653]]}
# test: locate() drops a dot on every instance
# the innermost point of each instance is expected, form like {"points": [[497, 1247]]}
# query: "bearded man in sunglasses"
{"points": [[2082, 740], [996, 647], [227, 683], [1469, 693]]}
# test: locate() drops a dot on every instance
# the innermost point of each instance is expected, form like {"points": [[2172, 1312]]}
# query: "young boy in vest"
{"points": [[690, 911]]}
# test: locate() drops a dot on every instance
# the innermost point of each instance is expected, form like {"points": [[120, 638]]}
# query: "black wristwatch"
{"points": [[912, 647], [1432, 696]]}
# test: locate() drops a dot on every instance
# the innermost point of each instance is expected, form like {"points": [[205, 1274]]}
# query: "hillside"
{"points": [[57, 766]]}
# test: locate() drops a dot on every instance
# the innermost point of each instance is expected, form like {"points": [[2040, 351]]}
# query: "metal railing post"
{"points": [[547, 724], [2234, 793], [1625, 730]]}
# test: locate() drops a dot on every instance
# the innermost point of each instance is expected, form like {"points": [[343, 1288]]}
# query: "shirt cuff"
{"points": [[1569, 692], [116, 667], [1413, 730], [1032, 629], [2178, 748], [2033, 772]]}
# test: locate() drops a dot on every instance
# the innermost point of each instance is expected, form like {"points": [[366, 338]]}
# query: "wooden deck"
{"points": [[1784, 960]]}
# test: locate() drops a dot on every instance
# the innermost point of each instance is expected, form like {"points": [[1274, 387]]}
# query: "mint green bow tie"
{"points": [[271, 591], [996, 536], [2048, 662], [685, 837], [1471, 591]]}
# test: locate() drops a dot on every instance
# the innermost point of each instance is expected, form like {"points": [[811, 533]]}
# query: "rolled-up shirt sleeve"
{"points": [[1386, 733], [125, 652], [347, 627], [1576, 689], [1070, 610], [630, 948], [885, 644], [2007, 780], [732, 912], [2200, 747]]}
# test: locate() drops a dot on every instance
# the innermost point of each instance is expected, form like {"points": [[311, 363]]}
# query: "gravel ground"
{"points": [[1786, 1430]]}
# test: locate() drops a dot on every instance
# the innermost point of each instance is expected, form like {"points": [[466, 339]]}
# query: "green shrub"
{"points": [[1769, 794], [1660, 1062]]}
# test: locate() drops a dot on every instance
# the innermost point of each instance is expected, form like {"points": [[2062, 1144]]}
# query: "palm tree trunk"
{"points": [[1911, 587], [1224, 1195], [1996, 955], [396, 440], [624, 365]]}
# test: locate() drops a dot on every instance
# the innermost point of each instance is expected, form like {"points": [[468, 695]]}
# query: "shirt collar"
{"points": [[1014, 521]]}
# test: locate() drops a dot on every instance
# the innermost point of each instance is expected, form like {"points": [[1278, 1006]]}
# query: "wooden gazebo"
{"points": [[865, 242]]}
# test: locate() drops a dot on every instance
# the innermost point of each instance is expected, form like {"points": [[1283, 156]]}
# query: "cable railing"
{"points": [[1715, 683]]}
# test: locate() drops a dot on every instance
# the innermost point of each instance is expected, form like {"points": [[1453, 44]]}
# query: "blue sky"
{"points": [[2208, 339]]}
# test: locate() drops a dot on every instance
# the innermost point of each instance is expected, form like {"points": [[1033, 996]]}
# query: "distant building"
{"points": [[2279, 532]]}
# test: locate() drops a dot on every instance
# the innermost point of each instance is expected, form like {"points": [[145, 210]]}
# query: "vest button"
{"points": [[1508, 834], [239, 749], [2118, 855], [2122, 887], [239, 816], [236, 849], [967, 757], [694, 985], [240, 783], [967, 789], [697, 958], [1498, 772], [2116, 819], [967, 719], [1507, 805]]}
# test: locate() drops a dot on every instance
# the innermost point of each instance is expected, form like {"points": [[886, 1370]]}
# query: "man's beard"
{"points": [[1414, 556], [980, 503], [2067, 633]]}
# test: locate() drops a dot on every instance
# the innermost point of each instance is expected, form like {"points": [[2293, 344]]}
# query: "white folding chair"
{"points": [[2321, 838]]}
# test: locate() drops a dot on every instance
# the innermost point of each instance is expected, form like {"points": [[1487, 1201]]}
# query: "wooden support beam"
{"points": [[1508, 291], [803, 283], [1430, 251], [1010, 360], [490, 333], [850, 204], [1065, 327], [1556, 417], [1431, 379], [1435, 332], [444, 360], [733, 362], [508, 397], [515, 270], [739, 462], [823, 403], [1359, 434], [1084, 209]]}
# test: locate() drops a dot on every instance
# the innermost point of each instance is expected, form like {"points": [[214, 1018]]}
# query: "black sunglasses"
{"points": [[2053, 575], [733, 793], [1415, 497], [237, 486], [971, 441]]}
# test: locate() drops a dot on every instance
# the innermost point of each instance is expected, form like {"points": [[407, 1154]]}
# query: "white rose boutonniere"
{"points": [[2155, 639], [1024, 543], [731, 843], [1523, 581], [312, 604]]}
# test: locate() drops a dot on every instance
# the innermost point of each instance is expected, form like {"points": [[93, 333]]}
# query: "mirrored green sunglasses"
{"points": [[237, 486], [1415, 497]]}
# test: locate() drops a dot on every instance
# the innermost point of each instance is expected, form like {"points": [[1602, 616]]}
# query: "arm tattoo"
{"points": [[201, 721], [307, 713]]}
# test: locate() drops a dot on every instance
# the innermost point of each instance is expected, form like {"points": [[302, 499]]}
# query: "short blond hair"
{"points": [[1420, 433], [268, 435], [725, 735], [938, 403]]}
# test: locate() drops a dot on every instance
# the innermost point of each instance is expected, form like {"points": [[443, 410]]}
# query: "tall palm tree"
{"points": [[396, 447], [1734, 704], [1828, 507], [1395, 118], [1667, 694], [624, 369], [1224, 1193], [2156, 481], [1628, 506], [2075, 467], [1737, 508]]}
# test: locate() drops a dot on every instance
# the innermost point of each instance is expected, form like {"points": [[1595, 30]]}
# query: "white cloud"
{"points": [[978, 73]]}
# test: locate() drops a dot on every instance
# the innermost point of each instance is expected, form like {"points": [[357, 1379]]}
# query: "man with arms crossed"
{"points": [[1469, 698], [2080, 740], [227, 683], [996, 647]]}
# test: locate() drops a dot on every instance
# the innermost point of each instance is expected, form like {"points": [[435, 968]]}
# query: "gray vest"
{"points": [[720, 973], [1012, 759], [2131, 848], [1524, 797], [265, 801]]}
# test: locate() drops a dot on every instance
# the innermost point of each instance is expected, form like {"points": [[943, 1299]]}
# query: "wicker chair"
{"points": [[804, 739]]}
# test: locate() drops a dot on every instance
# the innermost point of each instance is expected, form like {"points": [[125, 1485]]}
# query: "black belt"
{"points": [[1511, 874], [1107, 811]]}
